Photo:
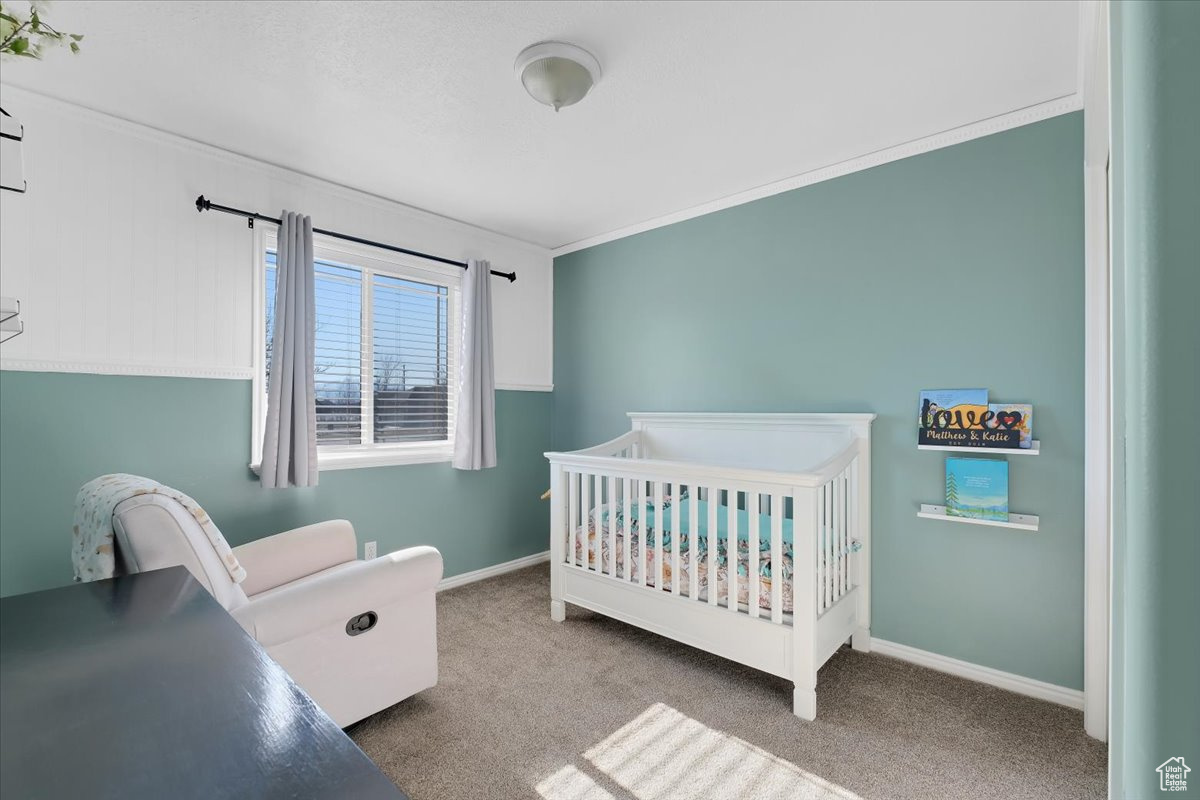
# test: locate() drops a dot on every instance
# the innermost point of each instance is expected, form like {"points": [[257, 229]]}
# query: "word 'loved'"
{"points": [[945, 419]]}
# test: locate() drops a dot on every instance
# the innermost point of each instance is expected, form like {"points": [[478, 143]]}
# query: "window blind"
{"points": [[382, 356], [410, 360]]}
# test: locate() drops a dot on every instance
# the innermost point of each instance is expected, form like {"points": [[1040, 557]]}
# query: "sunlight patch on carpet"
{"points": [[666, 755], [571, 784]]}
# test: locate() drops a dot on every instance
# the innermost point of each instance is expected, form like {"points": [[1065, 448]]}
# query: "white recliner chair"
{"points": [[358, 636]]}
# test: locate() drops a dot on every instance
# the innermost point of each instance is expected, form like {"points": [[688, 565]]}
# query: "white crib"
{"points": [[806, 477]]}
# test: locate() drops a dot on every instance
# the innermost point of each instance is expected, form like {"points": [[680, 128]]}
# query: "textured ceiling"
{"points": [[417, 101]]}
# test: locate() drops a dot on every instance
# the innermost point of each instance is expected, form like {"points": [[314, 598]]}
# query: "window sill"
{"points": [[380, 457]]}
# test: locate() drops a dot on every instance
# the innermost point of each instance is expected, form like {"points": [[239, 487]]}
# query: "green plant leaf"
{"points": [[30, 37]]}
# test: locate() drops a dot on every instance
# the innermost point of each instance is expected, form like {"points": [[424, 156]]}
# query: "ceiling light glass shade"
{"points": [[557, 74]]}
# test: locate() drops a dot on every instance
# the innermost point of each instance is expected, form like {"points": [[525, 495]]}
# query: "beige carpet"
{"points": [[591, 709]]}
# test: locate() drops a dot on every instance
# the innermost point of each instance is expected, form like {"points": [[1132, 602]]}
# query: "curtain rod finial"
{"points": [[202, 204]]}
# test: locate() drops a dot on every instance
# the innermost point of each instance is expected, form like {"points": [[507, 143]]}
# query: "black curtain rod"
{"points": [[207, 205]]}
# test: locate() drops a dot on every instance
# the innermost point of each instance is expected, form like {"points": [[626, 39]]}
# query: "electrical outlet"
{"points": [[369, 551]]}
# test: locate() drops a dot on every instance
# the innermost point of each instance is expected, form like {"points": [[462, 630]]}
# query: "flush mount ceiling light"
{"points": [[556, 73]]}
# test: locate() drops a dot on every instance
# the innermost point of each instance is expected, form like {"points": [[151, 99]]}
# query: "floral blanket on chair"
{"points": [[93, 547]]}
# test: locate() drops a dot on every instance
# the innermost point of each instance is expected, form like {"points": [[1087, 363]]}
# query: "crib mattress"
{"points": [[766, 569], [594, 542]]}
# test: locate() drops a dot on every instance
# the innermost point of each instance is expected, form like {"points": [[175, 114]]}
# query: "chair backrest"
{"points": [[154, 531]]}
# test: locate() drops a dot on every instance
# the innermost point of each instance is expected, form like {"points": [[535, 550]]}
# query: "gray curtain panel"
{"points": [[475, 428], [290, 440]]}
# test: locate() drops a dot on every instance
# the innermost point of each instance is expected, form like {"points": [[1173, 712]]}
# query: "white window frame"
{"points": [[373, 260]]}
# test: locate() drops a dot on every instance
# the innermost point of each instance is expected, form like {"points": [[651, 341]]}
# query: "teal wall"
{"points": [[1156, 540], [960, 267], [61, 430]]}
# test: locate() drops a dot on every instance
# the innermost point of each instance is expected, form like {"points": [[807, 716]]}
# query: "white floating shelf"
{"points": [[1021, 522], [9, 308], [10, 321], [983, 451]]}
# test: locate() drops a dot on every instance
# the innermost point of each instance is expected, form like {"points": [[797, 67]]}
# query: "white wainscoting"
{"points": [[118, 273]]}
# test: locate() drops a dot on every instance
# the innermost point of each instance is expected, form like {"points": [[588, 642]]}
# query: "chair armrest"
{"points": [[295, 554], [334, 598]]}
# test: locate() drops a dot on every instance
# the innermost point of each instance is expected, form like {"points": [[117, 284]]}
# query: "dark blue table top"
{"points": [[144, 687]]}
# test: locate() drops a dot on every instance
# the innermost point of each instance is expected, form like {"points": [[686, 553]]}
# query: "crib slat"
{"points": [[732, 561], [658, 535], [585, 507], [572, 514], [822, 542], [846, 531], [753, 545], [612, 524], [752, 542], [642, 519], [853, 506], [838, 510], [676, 538], [598, 520], [840, 507], [828, 489], [693, 543], [626, 527], [833, 539], [777, 558], [712, 544], [831, 557], [834, 535]]}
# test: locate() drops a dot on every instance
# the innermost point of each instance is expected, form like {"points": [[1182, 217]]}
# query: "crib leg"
{"points": [[804, 703], [558, 610], [861, 640]]}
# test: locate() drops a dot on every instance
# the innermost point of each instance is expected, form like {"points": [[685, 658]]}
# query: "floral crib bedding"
{"points": [[766, 569]]}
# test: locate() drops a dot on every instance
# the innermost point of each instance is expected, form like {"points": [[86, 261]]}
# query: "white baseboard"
{"points": [[493, 571], [1072, 698]]}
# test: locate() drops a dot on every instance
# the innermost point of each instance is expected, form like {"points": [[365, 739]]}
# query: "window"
{"points": [[383, 356]]}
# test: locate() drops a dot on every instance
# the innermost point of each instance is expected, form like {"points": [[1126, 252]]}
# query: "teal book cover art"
{"points": [[977, 488]]}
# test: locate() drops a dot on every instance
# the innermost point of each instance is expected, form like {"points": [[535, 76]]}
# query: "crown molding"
{"points": [[926, 144], [17, 94], [975, 130]]}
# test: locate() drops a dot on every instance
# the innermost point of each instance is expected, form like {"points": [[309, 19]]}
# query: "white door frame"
{"points": [[1097, 487]]}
